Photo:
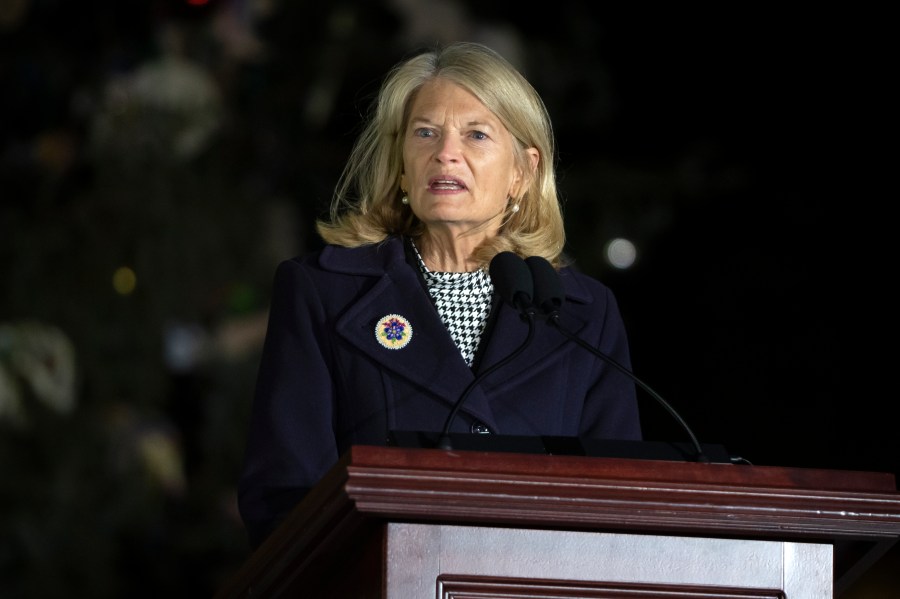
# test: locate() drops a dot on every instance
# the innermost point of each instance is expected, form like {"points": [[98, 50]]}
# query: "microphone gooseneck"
{"points": [[512, 281], [549, 296]]}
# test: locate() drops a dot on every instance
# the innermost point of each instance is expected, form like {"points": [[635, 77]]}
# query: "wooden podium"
{"points": [[389, 522]]}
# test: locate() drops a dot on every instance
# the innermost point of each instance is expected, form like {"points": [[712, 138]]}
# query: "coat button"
{"points": [[480, 428]]}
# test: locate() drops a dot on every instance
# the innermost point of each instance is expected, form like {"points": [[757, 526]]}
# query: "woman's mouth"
{"points": [[445, 184]]}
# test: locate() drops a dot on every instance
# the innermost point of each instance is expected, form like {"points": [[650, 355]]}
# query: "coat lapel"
{"points": [[430, 360]]}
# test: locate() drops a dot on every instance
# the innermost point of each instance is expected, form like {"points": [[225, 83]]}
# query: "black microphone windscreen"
{"points": [[511, 277], [548, 288]]}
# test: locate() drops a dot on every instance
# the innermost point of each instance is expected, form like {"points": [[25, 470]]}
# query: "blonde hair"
{"points": [[366, 206]]}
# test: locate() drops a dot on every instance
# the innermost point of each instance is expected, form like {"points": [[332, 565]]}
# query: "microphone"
{"points": [[512, 281], [549, 296]]}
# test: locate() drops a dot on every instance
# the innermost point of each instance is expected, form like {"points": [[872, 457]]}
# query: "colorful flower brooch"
{"points": [[393, 332]]}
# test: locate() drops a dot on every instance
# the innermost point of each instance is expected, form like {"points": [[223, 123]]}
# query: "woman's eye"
{"points": [[422, 132], [479, 135]]}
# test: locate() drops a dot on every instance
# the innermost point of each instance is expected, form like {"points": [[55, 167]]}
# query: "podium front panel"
{"points": [[448, 561]]}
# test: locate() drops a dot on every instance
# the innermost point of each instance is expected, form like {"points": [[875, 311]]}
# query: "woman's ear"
{"points": [[534, 157], [523, 180]]}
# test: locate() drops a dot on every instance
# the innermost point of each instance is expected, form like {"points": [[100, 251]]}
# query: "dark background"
{"points": [[745, 153]]}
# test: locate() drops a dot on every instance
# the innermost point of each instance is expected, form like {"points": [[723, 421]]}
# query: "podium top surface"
{"points": [[619, 468]]}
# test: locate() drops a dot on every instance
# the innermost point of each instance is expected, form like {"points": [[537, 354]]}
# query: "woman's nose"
{"points": [[450, 149]]}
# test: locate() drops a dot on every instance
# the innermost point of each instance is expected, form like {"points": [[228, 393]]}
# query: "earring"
{"points": [[405, 199], [515, 208]]}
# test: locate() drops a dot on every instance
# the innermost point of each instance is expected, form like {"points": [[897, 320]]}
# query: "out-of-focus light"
{"points": [[621, 253], [184, 345], [197, 2], [124, 280]]}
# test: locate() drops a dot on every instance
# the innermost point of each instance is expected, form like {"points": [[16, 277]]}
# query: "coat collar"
{"points": [[388, 255]]}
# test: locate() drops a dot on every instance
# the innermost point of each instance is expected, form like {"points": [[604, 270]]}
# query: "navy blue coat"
{"points": [[326, 383]]}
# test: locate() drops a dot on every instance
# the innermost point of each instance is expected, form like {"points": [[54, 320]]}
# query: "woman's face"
{"points": [[459, 167]]}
